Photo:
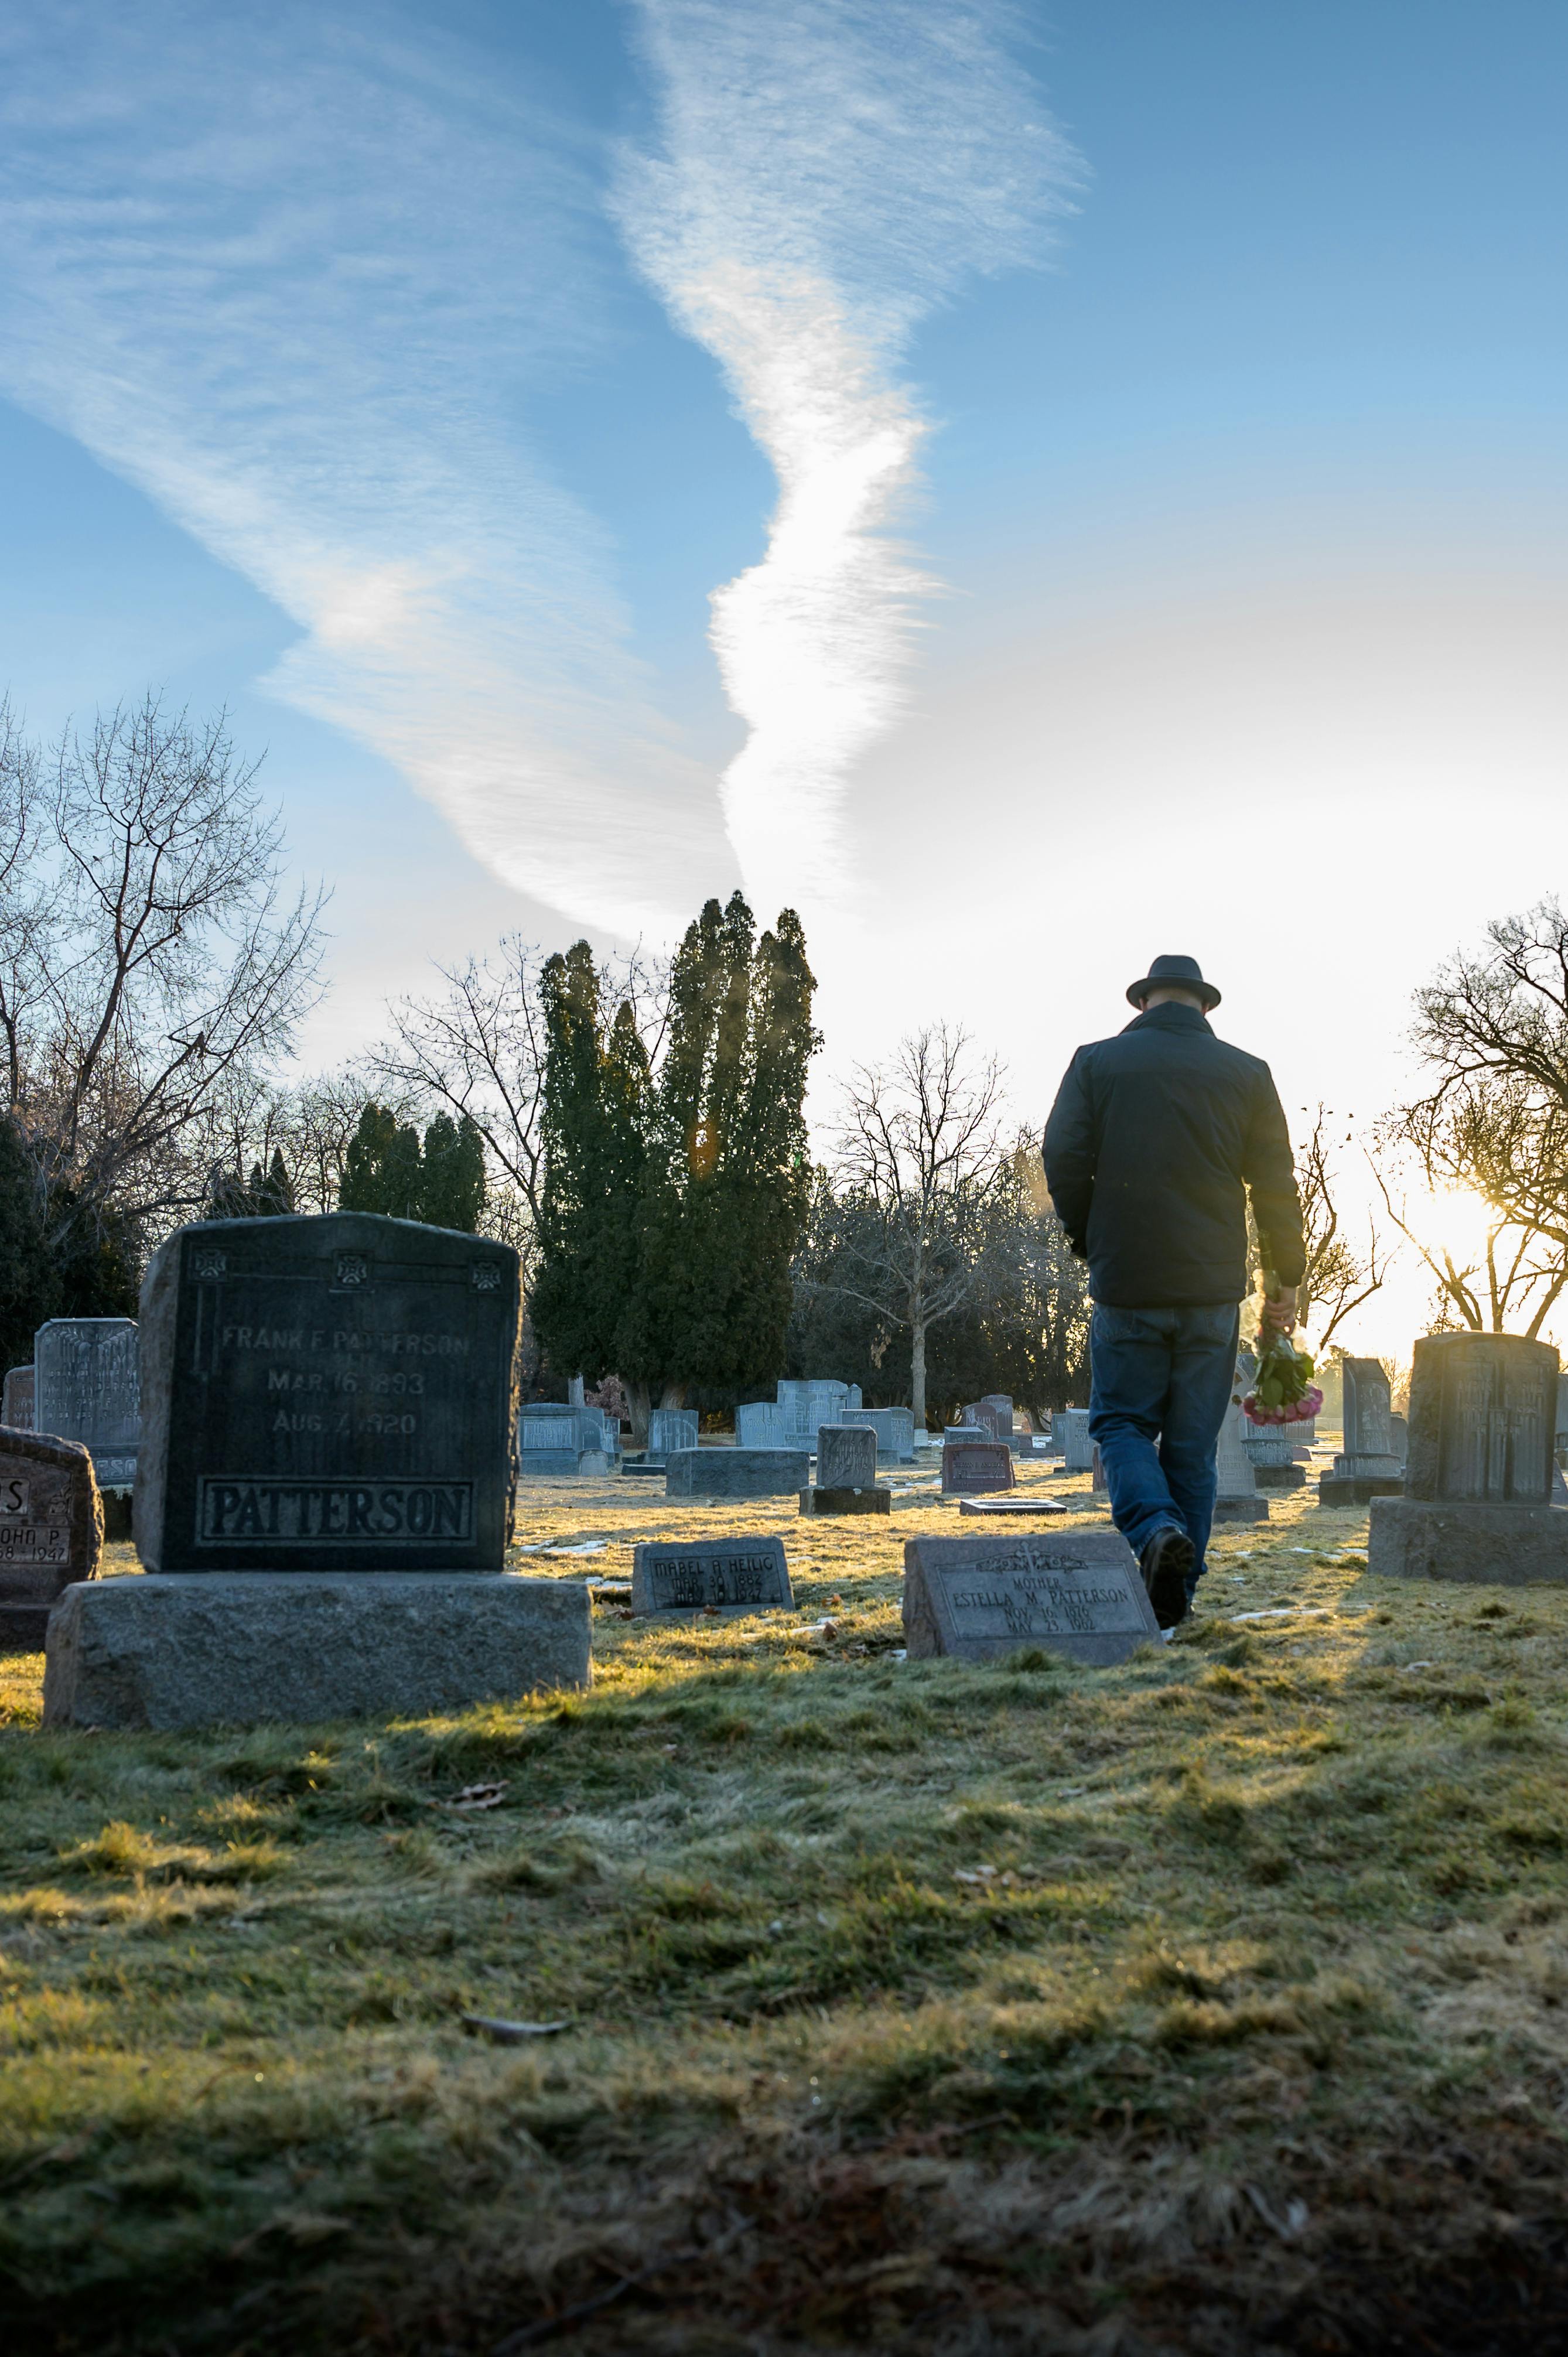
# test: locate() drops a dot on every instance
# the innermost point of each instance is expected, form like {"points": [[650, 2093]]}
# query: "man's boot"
{"points": [[1166, 1562]]}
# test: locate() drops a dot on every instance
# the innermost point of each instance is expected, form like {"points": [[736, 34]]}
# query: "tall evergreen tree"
{"points": [[452, 1186], [596, 1089], [382, 1169]]}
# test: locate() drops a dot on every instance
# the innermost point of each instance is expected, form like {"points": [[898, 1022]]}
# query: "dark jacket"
{"points": [[1151, 1141]]}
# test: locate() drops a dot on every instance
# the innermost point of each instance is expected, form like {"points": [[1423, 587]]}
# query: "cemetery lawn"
{"points": [[1216, 2003]]}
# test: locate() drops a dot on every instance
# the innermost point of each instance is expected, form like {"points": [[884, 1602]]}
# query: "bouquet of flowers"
{"points": [[1283, 1390]]}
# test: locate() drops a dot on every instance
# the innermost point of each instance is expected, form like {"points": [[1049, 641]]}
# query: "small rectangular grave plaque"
{"points": [[745, 1575], [969, 1468], [327, 1393], [1080, 1594]]}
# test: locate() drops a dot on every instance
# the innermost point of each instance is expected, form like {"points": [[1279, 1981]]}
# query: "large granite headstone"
{"points": [[894, 1427], [740, 1574], [971, 1469], [1235, 1498], [1072, 1427], [735, 1472], [333, 1394], [1367, 1465], [17, 1403], [51, 1531], [86, 1388], [324, 1488], [1080, 1595], [1476, 1503]]}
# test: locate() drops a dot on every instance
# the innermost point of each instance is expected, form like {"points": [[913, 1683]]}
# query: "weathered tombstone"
{"points": [[16, 1405], [965, 1432], [759, 1424], [1478, 1493], [735, 1472], [894, 1427], [738, 1575], [1366, 1467], [1080, 1595], [851, 1395], [808, 1405], [973, 1467], [1077, 1450], [1003, 1407], [1098, 1479], [51, 1531], [555, 1439], [1399, 1439], [1561, 1436], [1271, 1453], [1235, 1498], [324, 1490], [86, 1389], [846, 1474], [986, 1417], [671, 1427]]}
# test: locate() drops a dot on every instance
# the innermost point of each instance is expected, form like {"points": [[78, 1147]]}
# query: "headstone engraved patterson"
{"points": [[740, 1574], [1476, 1503], [328, 1393], [846, 1474], [1366, 1467], [324, 1491], [1080, 1595], [51, 1532]]}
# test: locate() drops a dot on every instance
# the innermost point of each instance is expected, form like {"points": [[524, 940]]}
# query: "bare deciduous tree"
{"points": [[919, 1152], [1340, 1275], [1493, 1030], [480, 1050], [149, 956]]}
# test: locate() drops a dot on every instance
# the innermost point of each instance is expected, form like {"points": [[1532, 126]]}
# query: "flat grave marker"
{"points": [[1076, 1593], [734, 1575], [1022, 1507]]}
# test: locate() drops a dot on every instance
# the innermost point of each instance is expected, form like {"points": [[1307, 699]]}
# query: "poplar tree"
{"points": [[596, 1097], [452, 1181], [386, 1170]]}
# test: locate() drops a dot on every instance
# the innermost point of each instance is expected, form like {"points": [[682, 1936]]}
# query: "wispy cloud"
{"points": [[294, 270], [829, 171]]}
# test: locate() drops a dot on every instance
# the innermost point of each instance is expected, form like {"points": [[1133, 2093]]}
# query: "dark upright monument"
{"points": [[1479, 1473], [51, 1531], [324, 1490]]}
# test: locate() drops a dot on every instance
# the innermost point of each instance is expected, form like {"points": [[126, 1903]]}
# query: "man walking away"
{"points": [[1154, 1142]]}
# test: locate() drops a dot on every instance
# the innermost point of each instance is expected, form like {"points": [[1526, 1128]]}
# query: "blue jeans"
{"points": [[1162, 1381]]}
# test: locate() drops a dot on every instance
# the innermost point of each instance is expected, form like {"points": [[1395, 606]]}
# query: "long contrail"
{"points": [[293, 271], [829, 171]]}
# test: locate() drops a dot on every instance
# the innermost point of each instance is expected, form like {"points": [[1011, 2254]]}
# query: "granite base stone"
{"points": [[204, 1648], [1279, 1477], [735, 1472], [1501, 1546], [874, 1500], [1354, 1489], [1240, 1510]]}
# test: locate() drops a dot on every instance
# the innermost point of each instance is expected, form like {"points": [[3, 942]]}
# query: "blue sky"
{"points": [[1174, 402]]}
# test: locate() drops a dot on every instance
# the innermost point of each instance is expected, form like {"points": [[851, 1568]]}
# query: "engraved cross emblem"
{"points": [[353, 1270], [210, 1263], [486, 1275]]}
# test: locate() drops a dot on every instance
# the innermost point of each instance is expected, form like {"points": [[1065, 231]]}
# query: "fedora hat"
{"points": [[1176, 974]]}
